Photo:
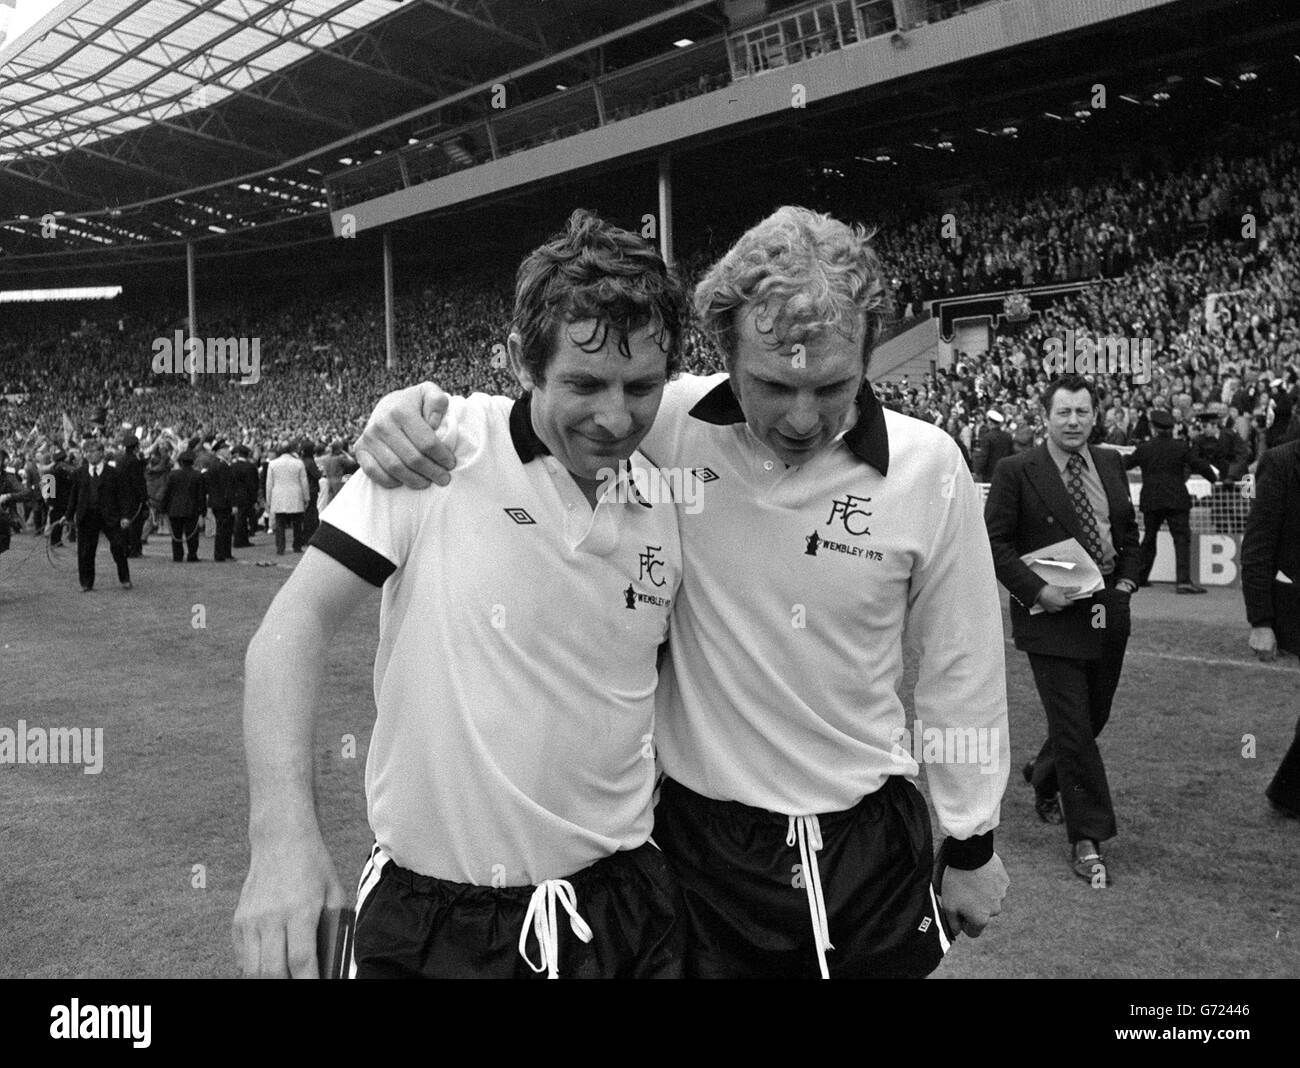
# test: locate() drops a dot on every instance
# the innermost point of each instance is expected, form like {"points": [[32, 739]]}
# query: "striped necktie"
{"points": [[1083, 506]]}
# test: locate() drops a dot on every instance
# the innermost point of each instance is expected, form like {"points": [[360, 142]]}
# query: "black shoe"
{"points": [[1048, 808], [1282, 812], [87, 589], [1187, 587], [1091, 866]]}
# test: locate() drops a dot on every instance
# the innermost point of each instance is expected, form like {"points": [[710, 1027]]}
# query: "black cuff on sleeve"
{"points": [[966, 854], [358, 558]]}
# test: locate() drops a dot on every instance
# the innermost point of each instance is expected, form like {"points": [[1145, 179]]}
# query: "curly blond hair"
{"points": [[809, 272]]}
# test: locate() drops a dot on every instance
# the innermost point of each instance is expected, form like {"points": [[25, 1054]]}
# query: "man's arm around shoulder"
{"points": [[291, 876]]}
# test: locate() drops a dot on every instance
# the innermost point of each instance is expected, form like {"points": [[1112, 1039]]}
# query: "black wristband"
{"points": [[966, 854]]}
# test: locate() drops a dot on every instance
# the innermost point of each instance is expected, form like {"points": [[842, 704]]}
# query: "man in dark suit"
{"points": [[219, 485], [1165, 462], [1270, 579], [12, 494], [997, 445], [311, 517], [244, 495], [95, 506], [1069, 489], [184, 501], [135, 494]]}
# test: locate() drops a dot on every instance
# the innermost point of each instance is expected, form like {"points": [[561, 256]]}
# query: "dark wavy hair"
{"points": [[593, 270], [1070, 383]]}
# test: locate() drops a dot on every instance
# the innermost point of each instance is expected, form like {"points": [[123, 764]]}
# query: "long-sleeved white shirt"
{"points": [[799, 585]]}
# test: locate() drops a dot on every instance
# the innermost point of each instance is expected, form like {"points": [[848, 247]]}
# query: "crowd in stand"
{"points": [[1218, 306], [1220, 316]]}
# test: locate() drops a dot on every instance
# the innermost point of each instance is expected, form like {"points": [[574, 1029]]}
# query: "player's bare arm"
{"points": [[291, 876]]}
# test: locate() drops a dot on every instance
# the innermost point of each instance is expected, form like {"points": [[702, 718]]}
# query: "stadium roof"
{"points": [[150, 123], [131, 128], [102, 68]]}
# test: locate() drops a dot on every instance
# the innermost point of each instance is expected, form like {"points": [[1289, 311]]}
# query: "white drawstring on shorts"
{"points": [[541, 918], [807, 831]]}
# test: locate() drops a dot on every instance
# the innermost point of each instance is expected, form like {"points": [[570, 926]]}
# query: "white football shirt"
{"points": [[516, 669]]}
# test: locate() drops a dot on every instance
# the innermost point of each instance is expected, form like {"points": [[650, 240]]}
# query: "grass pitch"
{"points": [[135, 872]]}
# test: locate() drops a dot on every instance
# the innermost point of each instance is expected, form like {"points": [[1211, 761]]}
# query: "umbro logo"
{"points": [[925, 925], [705, 474], [519, 516]]}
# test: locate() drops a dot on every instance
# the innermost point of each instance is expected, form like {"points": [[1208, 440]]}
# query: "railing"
{"points": [[790, 37], [812, 31], [1219, 509], [620, 94]]}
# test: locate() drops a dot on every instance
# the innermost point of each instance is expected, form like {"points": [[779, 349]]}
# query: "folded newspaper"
{"points": [[1065, 563]]}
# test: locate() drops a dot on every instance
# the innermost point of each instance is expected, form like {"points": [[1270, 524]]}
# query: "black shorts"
{"points": [[746, 899], [413, 926]]}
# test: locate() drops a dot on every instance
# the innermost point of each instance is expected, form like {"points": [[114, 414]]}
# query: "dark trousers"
{"points": [[56, 528], [293, 519], [185, 534], [1284, 790], [1181, 532], [243, 526], [310, 521], [1077, 696], [90, 527], [225, 529], [135, 532]]}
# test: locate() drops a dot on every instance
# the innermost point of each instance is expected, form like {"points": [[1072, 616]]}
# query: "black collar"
{"points": [[868, 438], [527, 444]]}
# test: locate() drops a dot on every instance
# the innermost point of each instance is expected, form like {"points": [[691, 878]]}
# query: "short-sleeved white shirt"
{"points": [[516, 669], [787, 640]]}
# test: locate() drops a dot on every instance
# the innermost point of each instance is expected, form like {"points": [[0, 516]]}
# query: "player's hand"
{"points": [[1264, 643], [1055, 598], [124, 523], [289, 881], [972, 898], [399, 446]]}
